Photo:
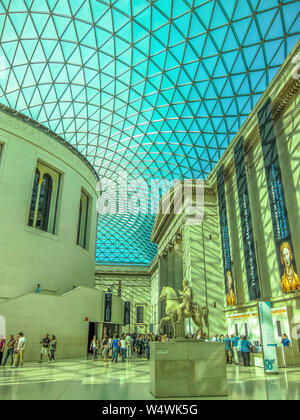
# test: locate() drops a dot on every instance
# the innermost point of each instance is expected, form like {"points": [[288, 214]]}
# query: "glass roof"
{"points": [[155, 88]]}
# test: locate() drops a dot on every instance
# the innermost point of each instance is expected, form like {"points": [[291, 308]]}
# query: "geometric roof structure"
{"points": [[155, 88]]}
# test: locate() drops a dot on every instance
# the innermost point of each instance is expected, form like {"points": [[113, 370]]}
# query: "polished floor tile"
{"points": [[88, 380]]}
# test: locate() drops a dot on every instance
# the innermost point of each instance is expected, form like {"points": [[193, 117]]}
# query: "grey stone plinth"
{"points": [[188, 369]]}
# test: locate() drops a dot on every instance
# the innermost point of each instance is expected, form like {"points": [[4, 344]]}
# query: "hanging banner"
{"points": [[280, 221], [246, 222], [107, 307], [268, 338], [229, 285], [126, 313]]}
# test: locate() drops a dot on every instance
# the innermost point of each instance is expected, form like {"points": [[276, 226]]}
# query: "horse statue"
{"points": [[176, 313]]}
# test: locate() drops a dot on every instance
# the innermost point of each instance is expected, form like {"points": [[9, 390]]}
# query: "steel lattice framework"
{"points": [[155, 88]]}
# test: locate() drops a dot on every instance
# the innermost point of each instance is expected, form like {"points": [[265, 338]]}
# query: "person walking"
{"points": [[52, 348], [10, 351], [105, 348], [245, 349], [94, 346], [45, 342], [116, 348], [123, 348], [21, 347]]}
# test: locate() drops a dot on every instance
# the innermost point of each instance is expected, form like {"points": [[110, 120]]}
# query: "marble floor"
{"points": [[88, 380]]}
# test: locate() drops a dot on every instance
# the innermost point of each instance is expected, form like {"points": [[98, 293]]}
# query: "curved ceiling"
{"points": [[154, 88]]}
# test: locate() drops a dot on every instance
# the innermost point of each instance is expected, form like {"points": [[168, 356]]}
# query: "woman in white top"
{"points": [[94, 347]]}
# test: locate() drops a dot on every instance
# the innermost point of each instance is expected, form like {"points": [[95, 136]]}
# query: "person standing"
{"points": [[128, 340], [239, 350], [245, 349], [134, 338], [52, 348], [38, 289], [139, 346], [146, 343], [116, 348], [21, 347], [285, 341], [16, 347], [215, 339], [45, 342], [10, 351], [94, 346], [228, 354], [200, 337], [2, 348], [123, 348], [234, 342]]}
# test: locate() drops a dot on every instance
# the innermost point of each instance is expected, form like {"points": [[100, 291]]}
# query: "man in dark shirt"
{"points": [[45, 342], [10, 351]]}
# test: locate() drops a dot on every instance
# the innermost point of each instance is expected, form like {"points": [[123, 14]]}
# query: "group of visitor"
{"points": [[238, 348], [15, 349], [49, 346], [124, 347]]}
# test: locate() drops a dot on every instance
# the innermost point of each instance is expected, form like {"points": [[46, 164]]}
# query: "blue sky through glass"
{"points": [[155, 88]]}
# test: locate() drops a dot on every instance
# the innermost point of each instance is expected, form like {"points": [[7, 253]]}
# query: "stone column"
{"points": [[171, 267], [162, 282], [178, 263]]}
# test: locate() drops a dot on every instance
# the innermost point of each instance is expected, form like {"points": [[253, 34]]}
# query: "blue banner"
{"points": [[282, 234], [228, 277]]}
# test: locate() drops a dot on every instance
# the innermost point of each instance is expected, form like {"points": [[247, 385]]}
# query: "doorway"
{"points": [[111, 329]]}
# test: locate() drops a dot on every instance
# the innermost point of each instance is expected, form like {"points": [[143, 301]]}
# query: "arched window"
{"points": [[44, 200], [79, 222], [34, 197], [82, 228], [44, 203]]}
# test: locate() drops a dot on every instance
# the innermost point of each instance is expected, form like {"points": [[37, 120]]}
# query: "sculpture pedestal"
{"points": [[179, 331], [188, 369]]}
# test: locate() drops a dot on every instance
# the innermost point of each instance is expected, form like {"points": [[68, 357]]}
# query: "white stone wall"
{"points": [[29, 256]]}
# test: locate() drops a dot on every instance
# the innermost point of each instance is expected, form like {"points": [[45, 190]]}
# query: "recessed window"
{"points": [[279, 330], [1, 150], [83, 220], [44, 199], [140, 314]]}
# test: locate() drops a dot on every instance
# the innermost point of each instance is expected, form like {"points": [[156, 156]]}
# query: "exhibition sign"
{"points": [[229, 285], [107, 307], [126, 313], [246, 222], [280, 221], [268, 338]]}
